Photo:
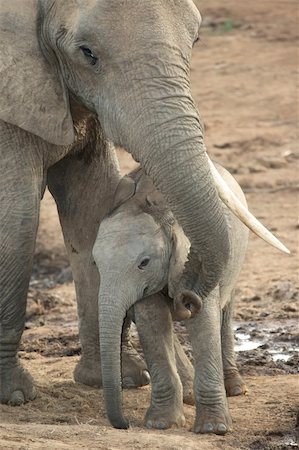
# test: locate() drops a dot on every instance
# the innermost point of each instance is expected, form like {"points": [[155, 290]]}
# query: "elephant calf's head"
{"points": [[140, 248]]}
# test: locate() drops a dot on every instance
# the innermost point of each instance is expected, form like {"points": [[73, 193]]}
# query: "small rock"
{"points": [[272, 163], [289, 308], [290, 156], [264, 314]]}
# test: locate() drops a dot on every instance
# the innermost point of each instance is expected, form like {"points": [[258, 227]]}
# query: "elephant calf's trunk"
{"points": [[111, 320]]}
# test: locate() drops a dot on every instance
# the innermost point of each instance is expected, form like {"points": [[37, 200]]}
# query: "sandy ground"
{"points": [[244, 81]]}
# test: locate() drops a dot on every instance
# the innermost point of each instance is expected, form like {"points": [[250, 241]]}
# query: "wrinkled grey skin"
{"points": [[140, 249], [73, 74]]}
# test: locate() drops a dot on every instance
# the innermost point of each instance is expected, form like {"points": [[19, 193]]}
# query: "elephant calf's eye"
{"points": [[144, 262], [92, 59]]}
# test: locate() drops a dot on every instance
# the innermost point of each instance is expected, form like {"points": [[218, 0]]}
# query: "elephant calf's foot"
{"points": [[16, 385], [234, 384], [165, 417], [212, 419]]}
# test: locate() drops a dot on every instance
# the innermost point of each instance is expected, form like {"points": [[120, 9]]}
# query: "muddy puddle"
{"points": [[281, 340], [262, 347], [270, 347]]}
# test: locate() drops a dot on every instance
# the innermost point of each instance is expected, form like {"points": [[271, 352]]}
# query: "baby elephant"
{"points": [[140, 251]]}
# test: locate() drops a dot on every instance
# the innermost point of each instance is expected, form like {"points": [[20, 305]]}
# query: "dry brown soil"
{"points": [[244, 81]]}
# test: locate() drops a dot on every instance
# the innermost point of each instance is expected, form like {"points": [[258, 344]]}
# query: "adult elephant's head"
{"points": [[129, 62]]}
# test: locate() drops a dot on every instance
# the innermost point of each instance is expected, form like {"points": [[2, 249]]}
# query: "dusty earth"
{"points": [[244, 82]]}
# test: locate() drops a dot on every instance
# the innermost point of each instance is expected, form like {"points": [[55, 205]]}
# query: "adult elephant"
{"points": [[74, 73]]}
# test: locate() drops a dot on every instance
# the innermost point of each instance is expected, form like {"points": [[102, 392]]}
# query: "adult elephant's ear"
{"points": [[33, 96]]}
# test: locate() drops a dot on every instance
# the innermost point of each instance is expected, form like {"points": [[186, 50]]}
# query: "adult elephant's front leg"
{"points": [[21, 176], [83, 185], [212, 413]]}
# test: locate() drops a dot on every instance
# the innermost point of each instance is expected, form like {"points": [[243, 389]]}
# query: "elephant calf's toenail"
{"points": [[149, 424]]}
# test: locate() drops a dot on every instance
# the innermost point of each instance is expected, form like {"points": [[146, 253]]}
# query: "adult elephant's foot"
{"points": [[212, 419], [134, 370], [16, 384], [162, 418], [88, 371], [234, 384]]}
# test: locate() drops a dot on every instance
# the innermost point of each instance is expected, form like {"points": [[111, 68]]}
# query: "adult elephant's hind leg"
{"points": [[83, 186], [185, 371], [21, 174], [234, 384]]}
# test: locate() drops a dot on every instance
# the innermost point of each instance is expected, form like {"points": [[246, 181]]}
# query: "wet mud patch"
{"points": [[262, 347], [267, 348], [275, 440]]}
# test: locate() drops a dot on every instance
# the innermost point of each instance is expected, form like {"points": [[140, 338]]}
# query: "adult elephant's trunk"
{"points": [[166, 136], [112, 312]]}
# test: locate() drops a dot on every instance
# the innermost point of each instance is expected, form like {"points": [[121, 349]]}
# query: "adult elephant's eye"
{"points": [[89, 55], [144, 262]]}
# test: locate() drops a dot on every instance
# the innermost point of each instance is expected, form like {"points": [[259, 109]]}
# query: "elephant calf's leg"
{"points": [[20, 193], [154, 324], [234, 384], [212, 413]]}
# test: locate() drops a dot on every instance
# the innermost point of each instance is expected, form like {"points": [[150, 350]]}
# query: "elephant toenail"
{"points": [[182, 421], [145, 377], [237, 390], [221, 429], [208, 428], [33, 394], [161, 426], [149, 424], [17, 398]]}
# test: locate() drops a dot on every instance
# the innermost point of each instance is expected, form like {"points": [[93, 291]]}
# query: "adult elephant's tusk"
{"points": [[234, 204]]}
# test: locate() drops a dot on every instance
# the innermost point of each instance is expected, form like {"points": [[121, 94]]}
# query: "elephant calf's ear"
{"points": [[124, 191], [32, 96], [179, 254]]}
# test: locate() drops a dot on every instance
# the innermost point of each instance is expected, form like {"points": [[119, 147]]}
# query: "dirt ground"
{"points": [[244, 81]]}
